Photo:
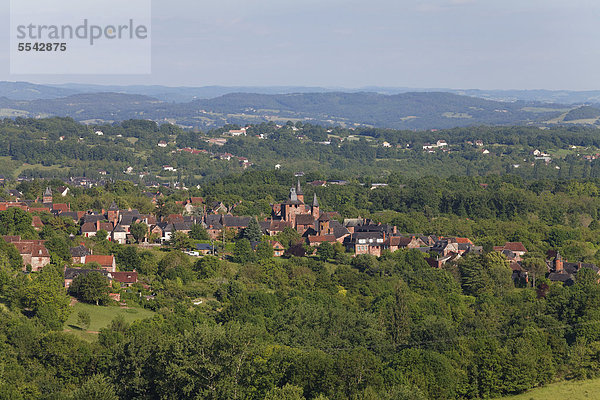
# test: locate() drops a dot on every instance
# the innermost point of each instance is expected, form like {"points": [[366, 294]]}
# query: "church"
{"points": [[307, 219]]}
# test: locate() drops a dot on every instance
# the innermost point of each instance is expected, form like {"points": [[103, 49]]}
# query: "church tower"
{"points": [[113, 213], [299, 192], [316, 213], [47, 197]]}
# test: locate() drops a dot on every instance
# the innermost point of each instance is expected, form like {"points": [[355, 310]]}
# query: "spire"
{"points": [[315, 201], [299, 189], [48, 192], [113, 206]]}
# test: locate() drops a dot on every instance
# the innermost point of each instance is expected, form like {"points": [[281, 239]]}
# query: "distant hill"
{"points": [[583, 113], [31, 91], [402, 111], [184, 94]]}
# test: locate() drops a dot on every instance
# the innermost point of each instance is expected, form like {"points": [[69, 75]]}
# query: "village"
{"points": [[356, 236]]}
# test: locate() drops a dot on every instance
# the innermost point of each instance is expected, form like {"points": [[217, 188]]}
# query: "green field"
{"points": [[100, 317], [568, 390]]}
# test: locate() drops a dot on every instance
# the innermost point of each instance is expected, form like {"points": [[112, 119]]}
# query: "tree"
{"points": [[101, 236], [139, 230], [90, 288], [288, 392], [288, 237], [296, 250], [325, 251], [489, 274], [534, 265], [264, 251], [242, 252], [13, 257], [180, 241], [15, 221], [83, 319], [97, 387], [253, 232], [46, 297], [198, 232], [128, 258], [207, 267]]}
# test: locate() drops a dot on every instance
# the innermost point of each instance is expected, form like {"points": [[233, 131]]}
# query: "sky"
{"points": [[460, 44]]}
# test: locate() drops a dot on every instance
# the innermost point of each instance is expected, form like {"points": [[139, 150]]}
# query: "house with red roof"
{"points": [[33, 252], [107, 263], [514, 251], [125, 278]]}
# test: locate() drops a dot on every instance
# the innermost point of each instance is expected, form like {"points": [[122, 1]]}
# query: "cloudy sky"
{"points": [[487, 44]]}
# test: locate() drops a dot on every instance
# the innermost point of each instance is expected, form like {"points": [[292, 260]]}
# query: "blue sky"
{"points": [[487, 44]]}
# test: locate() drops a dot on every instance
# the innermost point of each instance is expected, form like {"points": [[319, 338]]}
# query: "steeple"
{"points": [[293, 195], [315, 208], [47, 197], [299, 192]]}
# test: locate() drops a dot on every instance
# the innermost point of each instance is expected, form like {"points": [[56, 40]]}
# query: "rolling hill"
{"points": [[415, 110]]}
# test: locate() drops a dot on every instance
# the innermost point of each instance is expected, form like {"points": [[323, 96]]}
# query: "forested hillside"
{"points": [[431, 110]]}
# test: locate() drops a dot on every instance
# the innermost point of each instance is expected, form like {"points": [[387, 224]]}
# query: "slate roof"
{"points": [[128, 220], [573, 268], [305, 219], [120, 228], [237, 222], [93, 218], [278, 226], [339, 230], [561, 277], [264, 226], [79, 251], [183, 226], [72, 273], [214, 220]]}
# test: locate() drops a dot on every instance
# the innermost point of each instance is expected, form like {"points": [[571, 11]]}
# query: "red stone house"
{"points": [[33, 252]]}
